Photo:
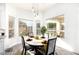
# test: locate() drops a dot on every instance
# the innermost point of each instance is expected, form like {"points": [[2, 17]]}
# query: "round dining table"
{"points": [[35, 45]]}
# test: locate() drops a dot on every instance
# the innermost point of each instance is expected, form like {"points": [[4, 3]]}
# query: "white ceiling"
{"points": [[28, 6]]}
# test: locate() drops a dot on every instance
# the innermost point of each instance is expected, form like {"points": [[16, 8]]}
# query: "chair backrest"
{"points": [[23, 41], [51, 46]]}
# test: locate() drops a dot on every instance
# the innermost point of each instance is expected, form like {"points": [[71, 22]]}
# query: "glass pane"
{"points": [[11, 26], [22, 28], [51, 26], [25, 27], [38, 32]]}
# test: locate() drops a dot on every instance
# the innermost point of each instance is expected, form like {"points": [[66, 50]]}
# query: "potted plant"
{"points": [[43, 31], [37, 37], [23, 34]]}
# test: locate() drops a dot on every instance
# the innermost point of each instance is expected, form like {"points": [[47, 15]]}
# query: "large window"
{"points": [[25, 27], [11, 26], [51, 26], [22, 28], [38, 29]]}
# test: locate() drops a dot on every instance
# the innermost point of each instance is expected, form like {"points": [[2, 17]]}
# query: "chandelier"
{"points": [[35, 10]]}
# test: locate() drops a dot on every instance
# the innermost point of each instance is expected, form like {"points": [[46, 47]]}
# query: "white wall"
{"points": [[70, 12], [2, 19]]}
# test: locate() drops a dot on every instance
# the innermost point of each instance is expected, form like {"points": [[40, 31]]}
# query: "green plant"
{"points": [[23, 34], [37, 37], [43, 30]]}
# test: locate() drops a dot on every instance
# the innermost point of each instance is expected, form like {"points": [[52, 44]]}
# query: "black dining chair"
{"points": [[50, 48], [25, 46]]}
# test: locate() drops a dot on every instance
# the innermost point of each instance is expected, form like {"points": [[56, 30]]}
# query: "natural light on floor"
{"points": [[64, 45]]}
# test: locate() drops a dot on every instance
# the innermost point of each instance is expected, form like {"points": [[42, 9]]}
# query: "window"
{"points": [[38, 29], [11, 26], [51, 26], [29, 27], [22, 28], [25, 27]]}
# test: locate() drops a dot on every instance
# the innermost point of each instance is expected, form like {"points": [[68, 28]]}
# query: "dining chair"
{"points": [[25, 46], [50, 48]]}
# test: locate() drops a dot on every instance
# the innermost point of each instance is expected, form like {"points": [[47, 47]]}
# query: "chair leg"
{"points": [[22, 51], [56, 53], [25, 51]]}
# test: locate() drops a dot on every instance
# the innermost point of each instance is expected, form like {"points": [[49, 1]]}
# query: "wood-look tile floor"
{"points": [[17, 49]]}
